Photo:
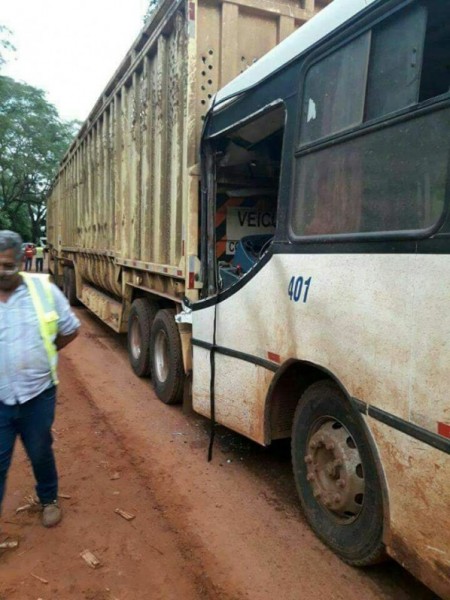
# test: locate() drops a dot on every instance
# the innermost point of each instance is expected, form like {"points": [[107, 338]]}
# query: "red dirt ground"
{"points": [[228, 530]]}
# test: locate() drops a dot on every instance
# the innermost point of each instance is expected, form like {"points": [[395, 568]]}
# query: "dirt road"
{"points": [[228, 530]]}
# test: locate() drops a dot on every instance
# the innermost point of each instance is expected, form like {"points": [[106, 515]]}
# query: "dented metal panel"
{"points": [[129, 185]]}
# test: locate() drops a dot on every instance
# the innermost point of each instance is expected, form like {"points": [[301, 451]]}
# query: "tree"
{"points": [[152, 6], [5, 45], [33, 140]]}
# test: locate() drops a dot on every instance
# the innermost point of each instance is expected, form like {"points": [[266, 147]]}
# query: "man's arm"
{"points": [[68, 324], [62, 340]]}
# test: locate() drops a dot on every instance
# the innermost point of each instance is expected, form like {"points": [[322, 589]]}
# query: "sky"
{"points": [[70, 48]]}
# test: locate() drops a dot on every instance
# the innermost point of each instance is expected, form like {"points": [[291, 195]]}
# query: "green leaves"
{"points": [[5, 45], [33, 140]]}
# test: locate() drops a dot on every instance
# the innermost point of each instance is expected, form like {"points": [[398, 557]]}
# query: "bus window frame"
{"points": [[209, 175], [365, 128]]}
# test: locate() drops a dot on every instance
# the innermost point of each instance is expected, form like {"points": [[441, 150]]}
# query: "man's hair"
{"points": [[10, 240]]}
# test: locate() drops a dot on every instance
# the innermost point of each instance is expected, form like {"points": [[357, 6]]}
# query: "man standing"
{"points": [[39, 258], [29, 253], [35, 322]]}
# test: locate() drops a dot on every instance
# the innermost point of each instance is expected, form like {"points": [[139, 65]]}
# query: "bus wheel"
{"points": [[166, 360], [70, 286], [336, 475], [142, 314]]}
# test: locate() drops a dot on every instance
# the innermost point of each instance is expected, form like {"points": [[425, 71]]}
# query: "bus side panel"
{"points": [[431, 345], [417, 477], [358, 320], [351, 314], [244, 412]]}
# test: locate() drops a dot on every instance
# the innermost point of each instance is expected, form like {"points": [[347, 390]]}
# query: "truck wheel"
{"points": [[336, 475], [166, 360], [140, 321], [70, 286]]}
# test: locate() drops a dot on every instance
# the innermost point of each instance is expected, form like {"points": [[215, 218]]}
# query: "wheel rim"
{"points": [[135, 339], [334, 470], [162, 356]]}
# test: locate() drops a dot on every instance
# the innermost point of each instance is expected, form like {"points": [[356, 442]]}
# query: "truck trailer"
{"points": [[123, 211]]}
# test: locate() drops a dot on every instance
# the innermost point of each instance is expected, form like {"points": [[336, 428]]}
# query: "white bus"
{"points": [[325, 314]]}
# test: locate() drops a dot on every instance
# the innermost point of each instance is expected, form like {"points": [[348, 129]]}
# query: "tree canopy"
{"points": [[33, 140], [5, 44]]}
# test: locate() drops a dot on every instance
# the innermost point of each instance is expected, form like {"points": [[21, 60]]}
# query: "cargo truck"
{"points": [[123, 212]]}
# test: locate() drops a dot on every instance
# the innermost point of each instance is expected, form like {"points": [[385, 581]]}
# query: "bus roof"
{"points": [[329, 19]]}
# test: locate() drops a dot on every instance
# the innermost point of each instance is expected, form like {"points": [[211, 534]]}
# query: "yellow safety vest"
{"points": [[44, 305]]}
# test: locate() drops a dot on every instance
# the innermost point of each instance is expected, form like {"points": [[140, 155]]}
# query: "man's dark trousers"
{"points": [[32, 421]]}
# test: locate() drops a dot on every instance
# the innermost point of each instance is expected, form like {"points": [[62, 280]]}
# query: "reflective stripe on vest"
{"points": [[44, 305]]}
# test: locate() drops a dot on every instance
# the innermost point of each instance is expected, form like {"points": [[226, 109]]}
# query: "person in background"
{"points": [[39, 259], [35, 322], [29, 253]]}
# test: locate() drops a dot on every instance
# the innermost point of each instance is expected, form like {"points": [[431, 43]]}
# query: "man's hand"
{"points": [[63, 340]]}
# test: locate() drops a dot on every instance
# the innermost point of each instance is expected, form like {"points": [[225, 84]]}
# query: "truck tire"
{"points": [[166, 360], [142, 314], [70, 286], [336, 475]]}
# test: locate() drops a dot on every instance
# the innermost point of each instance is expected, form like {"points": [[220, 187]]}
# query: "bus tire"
{"points": [[166, 359], [336, 475], [140, 319], [70, 286]]}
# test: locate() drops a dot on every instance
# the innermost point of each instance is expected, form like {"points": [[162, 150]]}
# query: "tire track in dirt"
{"points": [[186, 543]]}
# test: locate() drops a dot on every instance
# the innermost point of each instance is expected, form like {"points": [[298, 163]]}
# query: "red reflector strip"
{"points": [[274, 357], [191, 279], [444, 430]]}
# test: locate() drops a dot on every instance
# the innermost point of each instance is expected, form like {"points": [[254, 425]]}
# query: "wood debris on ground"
{"points": [[23, 508], [65, 496], [32, 504], [41, 579], [9, 545], [90, 559], [124, 514], [115, 476]]}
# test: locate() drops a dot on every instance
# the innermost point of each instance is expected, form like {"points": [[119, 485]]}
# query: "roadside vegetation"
{"points": [[33, 139]]}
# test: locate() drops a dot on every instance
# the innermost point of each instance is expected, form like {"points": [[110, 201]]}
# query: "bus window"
{"points": [[247, 181], [395, 63], [436, 59], [393, 179], [409, 60], [328, 107], [409, 63]]}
